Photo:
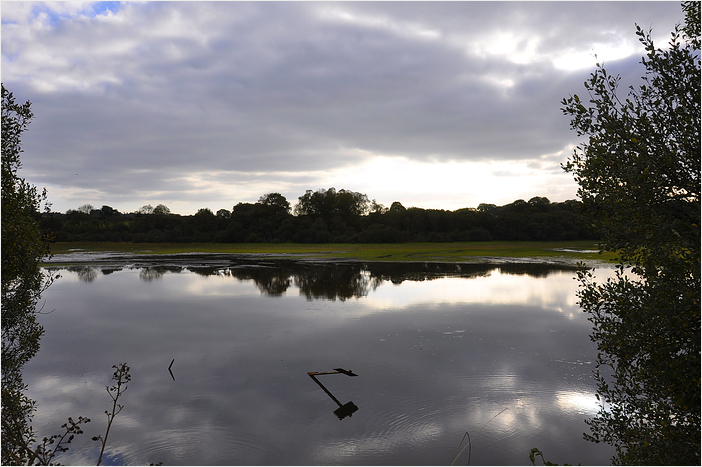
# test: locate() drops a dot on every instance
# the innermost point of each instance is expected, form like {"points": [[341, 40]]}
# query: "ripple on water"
{"points": [[510, 408], [202, 446]]}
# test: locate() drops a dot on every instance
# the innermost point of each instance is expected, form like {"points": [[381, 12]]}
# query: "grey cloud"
{"points": [[241, 361], [295, 87]]}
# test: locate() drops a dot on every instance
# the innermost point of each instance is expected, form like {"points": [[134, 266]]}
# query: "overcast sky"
{"points": [[194, 104]]}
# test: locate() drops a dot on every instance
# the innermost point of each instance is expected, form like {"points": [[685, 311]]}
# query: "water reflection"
{"points": [[271, 281], [470, 342], [85, 273], [150, 274], [328, 280]]}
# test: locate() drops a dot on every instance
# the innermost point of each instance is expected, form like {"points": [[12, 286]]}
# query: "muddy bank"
{"points": [[225, 260]]}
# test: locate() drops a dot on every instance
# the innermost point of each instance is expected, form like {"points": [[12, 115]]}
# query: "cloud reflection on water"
{"points": [[242, 395]]}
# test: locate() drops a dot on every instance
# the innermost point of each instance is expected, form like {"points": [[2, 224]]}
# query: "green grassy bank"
{"points": [[447, 252]]}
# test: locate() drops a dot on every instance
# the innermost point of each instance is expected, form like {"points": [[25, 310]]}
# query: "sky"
{"points": [[438, 105]]}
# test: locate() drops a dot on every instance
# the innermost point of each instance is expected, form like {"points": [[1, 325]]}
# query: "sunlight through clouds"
{"points": [[440, 105], [411, 30], [600, 53], [388, 179]]}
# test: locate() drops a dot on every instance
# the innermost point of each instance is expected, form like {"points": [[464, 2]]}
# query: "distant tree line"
{"points": [[323, 216]]}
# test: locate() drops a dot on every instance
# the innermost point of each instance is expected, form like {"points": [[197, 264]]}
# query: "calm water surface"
{"points": [[500, 352]]}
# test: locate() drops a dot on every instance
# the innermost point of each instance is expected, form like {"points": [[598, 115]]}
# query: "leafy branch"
{"points": [[43, 453]]}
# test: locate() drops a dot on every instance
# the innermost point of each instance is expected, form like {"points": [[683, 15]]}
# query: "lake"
{"points": [[500, 351]]}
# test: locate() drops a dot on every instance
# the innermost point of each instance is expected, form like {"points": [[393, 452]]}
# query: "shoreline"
{"points": [[112, 259]]}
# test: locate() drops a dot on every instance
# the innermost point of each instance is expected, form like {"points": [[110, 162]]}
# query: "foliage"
{"points": [[691, 29], [85, 209], [534, 453], [377, 208], [276, 201], [639, 178], [107, 211], [23, 450], [23, 248], [204, 213], [269, 220], [223, 213], [396, 206], [161, 210], [146, 209], [330, 203], [44, 453]]}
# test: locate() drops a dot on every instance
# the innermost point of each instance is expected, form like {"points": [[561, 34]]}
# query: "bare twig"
{"points": [[458, 453], [469, 445], [122, 377]]}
